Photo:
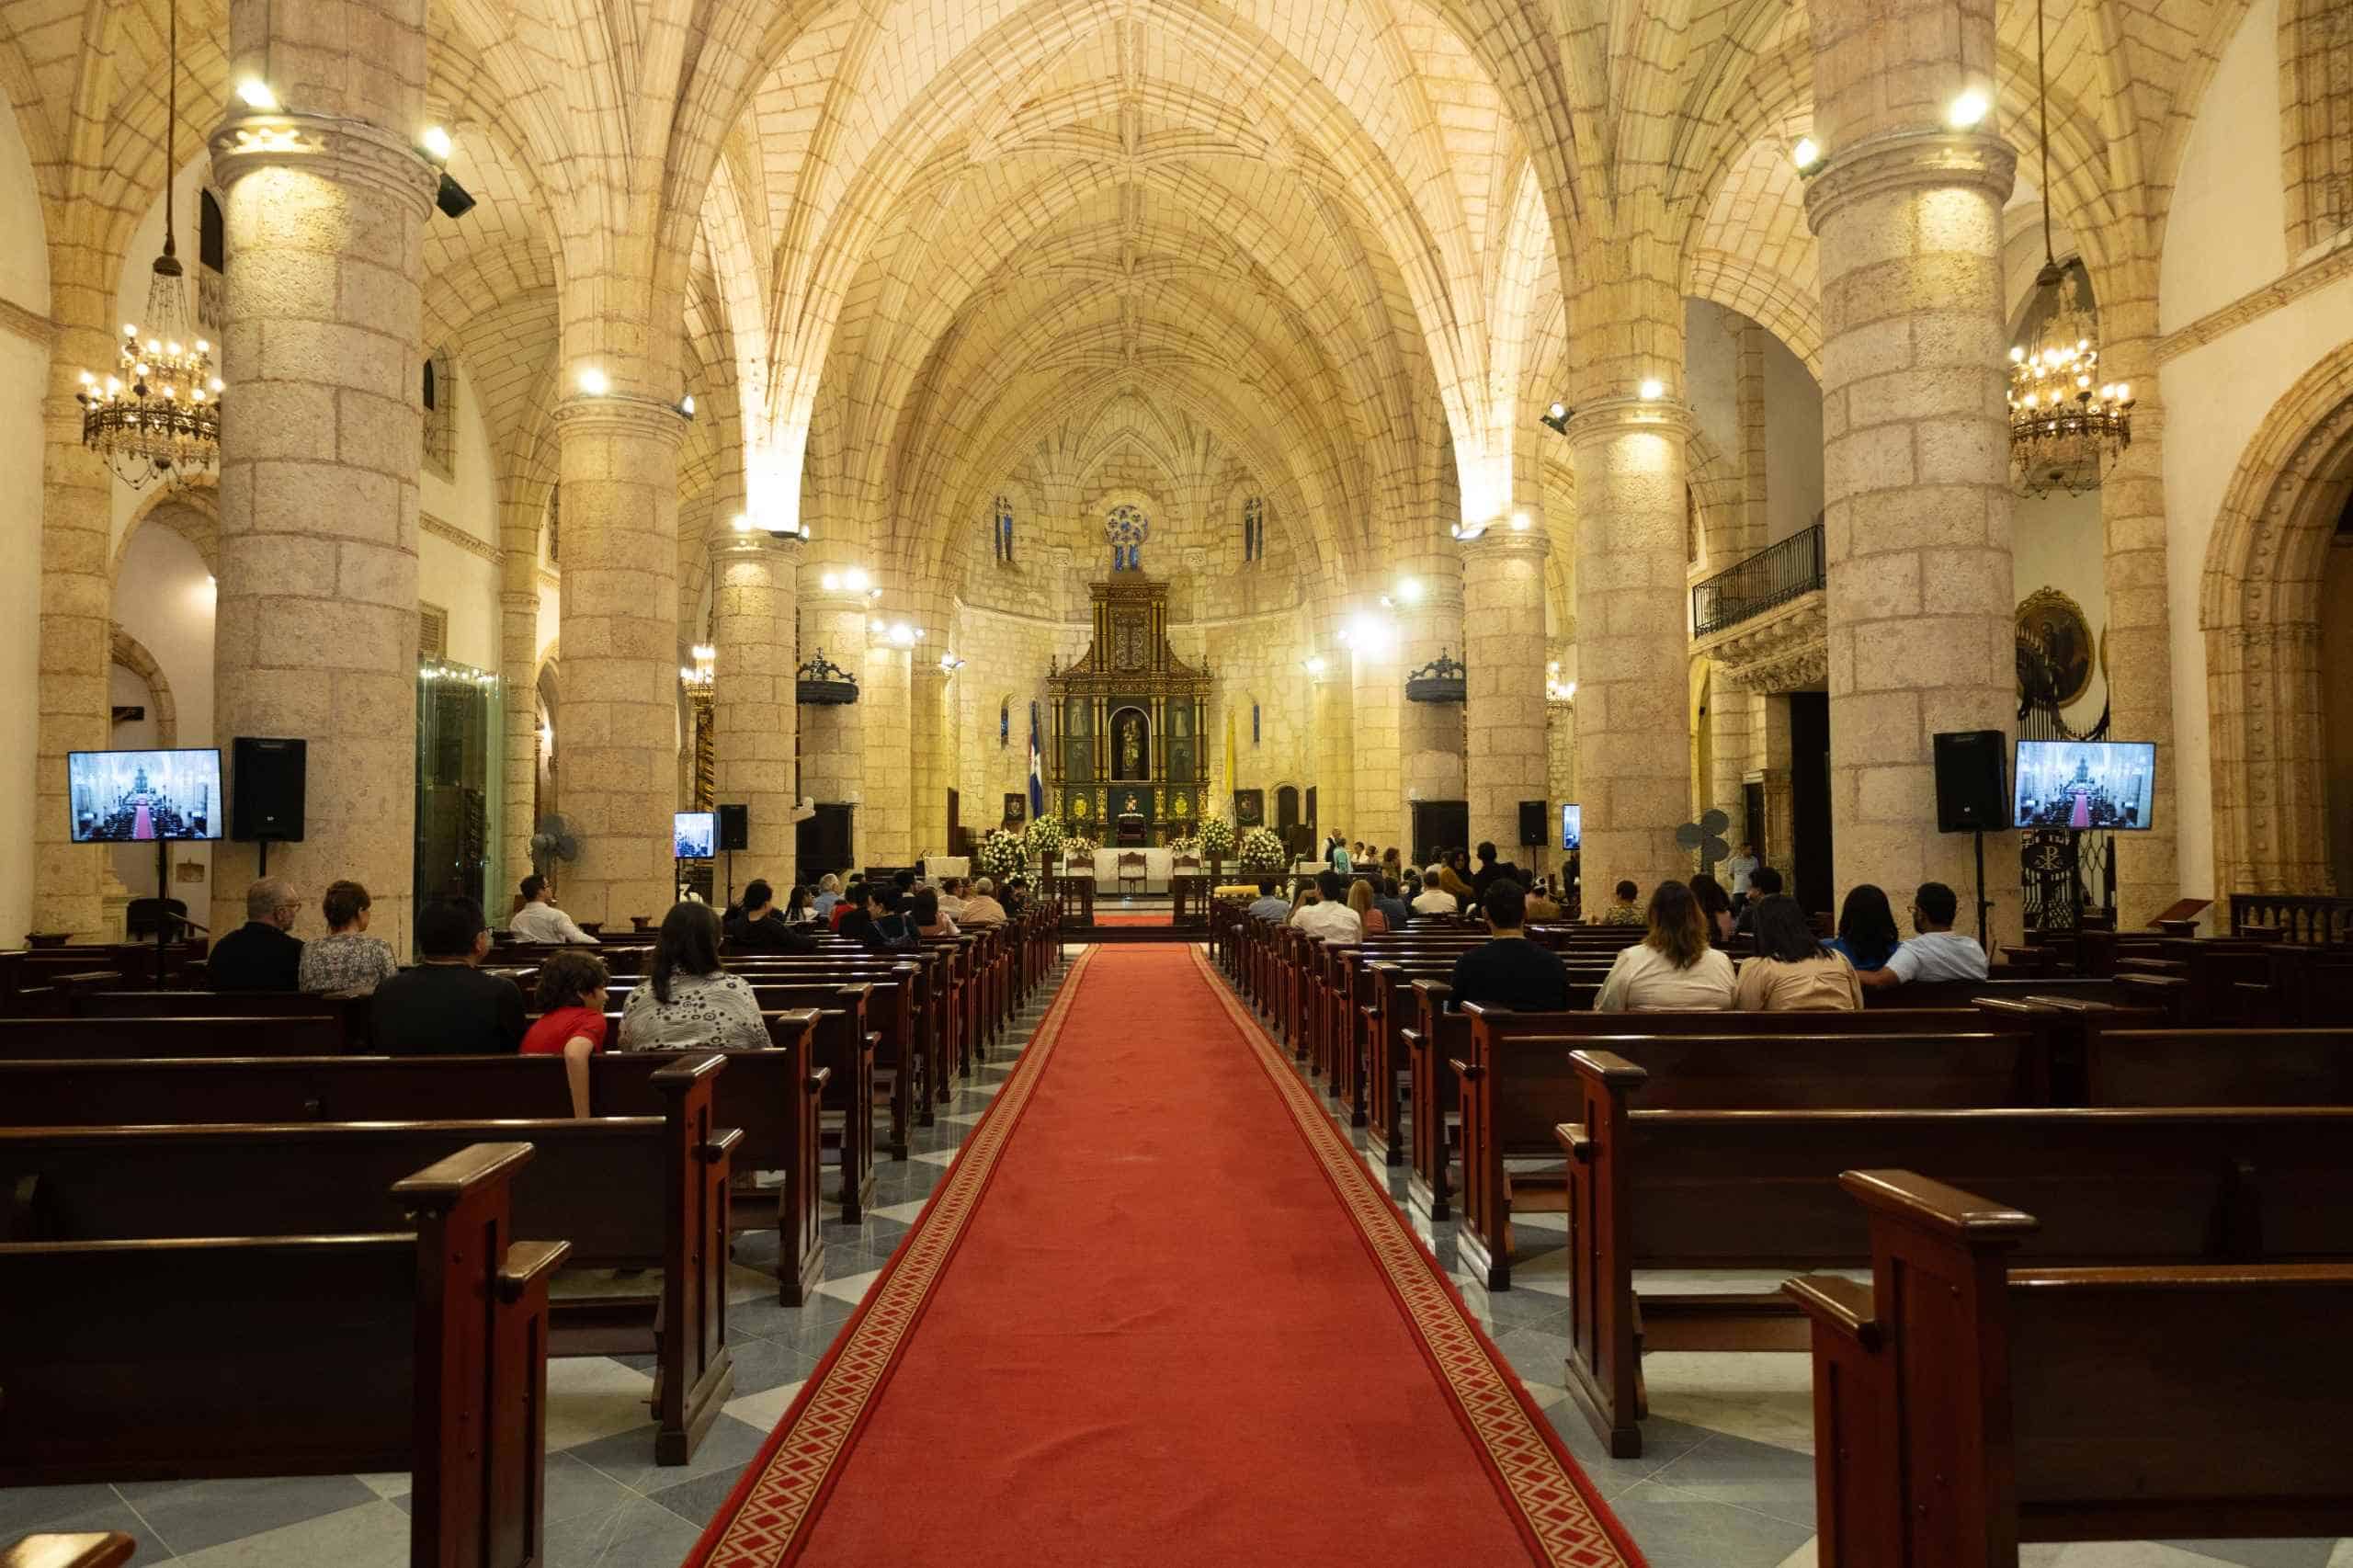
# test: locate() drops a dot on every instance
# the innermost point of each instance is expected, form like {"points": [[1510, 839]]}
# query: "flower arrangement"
{"points": [[1216, 841], [1044, 837], [1262, 850], [1079, 850], [1003, 854], [1188, 844]]}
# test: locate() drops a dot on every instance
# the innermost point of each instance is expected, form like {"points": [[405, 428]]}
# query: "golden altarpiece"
{"points": [[1129, 764]]}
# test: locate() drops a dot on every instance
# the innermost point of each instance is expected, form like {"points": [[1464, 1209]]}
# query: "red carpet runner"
{"points": [[1159, 1314]]}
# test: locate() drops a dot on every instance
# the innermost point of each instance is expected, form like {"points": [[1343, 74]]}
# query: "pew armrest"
{"points": [[720, 1146], [1931, 1205], [1575, 1141], [437, 1188], [527, 1263], [1838, 1304], [1466, 1070], [819, 1079]]}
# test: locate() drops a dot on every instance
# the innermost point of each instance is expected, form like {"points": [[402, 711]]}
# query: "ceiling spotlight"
{"points": [[595, 382], [1807, 155], [1968, 109], [253, 93], [877, 625], [1557, 418], [742, 524], [687, 405], [453, 198], [1651, 389], [437, 143]]}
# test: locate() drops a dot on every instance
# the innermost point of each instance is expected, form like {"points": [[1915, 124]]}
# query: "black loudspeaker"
{"points": [[1972, 796], [735, 827], [1531, 826], [268, 803]]}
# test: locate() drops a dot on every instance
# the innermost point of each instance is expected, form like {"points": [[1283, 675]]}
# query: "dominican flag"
{"points": [[1036, 779]]}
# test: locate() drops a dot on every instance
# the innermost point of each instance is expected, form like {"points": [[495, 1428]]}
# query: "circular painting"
{"points": [[2056, 652]]}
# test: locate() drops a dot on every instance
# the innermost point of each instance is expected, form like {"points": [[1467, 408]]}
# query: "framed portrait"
{"points": [[1249, 808], [2056, 651], [1017, 808]]}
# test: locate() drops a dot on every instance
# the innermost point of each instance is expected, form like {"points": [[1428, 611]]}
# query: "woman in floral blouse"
{"points": [[688, 998], [345, 962]]}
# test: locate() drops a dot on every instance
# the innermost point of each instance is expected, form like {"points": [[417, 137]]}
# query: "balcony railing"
{"points": [[1774, 576]]}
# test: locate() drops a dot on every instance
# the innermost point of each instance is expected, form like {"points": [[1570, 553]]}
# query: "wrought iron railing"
{"points": [[1774, 576]]}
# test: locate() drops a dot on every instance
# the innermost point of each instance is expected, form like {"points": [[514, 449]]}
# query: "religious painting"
{"points": [[1249, 808], [2056, 653], [1017, 808]]}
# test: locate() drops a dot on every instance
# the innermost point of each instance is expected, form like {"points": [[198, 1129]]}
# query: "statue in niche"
{"points": [[1180, 721], [1129, 735]]}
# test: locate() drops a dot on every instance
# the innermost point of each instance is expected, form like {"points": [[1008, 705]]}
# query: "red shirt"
{"points": [[548, 1036]]}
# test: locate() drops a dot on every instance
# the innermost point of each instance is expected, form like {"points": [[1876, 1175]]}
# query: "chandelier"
{"points": [[158, 416], [696, 677], [2066, 425]]}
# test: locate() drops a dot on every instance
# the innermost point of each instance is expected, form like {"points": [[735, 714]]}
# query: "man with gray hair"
{"points": [[262, 954], [1433, 899], [981, 910]]}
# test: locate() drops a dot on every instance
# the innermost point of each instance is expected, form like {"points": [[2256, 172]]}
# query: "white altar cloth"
{"points": [[1156, 863], [938, 865]]}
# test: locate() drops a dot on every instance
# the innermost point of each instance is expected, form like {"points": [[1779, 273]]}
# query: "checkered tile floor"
{"points": [[1728, 1481]]}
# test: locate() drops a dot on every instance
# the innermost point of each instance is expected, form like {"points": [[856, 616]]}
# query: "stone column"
{"points": [[76, 594], [316, 628], [1503, 579], [1429, 735], [2139, 632], [1731, 742], [518, 638], [621, 735], [1376, 692], [889, 699], [754, 596], [833, 740], [1633, 636], [1335, 781], [1921, 597], [929, 729]]}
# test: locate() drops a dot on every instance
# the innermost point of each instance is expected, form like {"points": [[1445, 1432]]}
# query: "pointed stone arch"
{"points": [[132, 655]]}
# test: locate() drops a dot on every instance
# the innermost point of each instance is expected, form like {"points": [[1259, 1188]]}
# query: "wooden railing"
{"points": [[2296, 917]]}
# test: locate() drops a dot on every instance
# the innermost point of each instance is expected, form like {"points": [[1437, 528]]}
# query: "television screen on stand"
{"points": [[694, 835], [2089, 786], [143, 796]]}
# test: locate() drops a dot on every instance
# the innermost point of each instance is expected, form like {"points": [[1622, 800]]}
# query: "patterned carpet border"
{"points": [[1553, 1500], [765, 1521]]}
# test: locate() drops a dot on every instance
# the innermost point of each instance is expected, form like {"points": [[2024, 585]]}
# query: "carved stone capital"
{"points": [[753, 544], [347, 152], [1786, 649], [620, 414], [1909, 160], [1605, 419], [1502, 541]]}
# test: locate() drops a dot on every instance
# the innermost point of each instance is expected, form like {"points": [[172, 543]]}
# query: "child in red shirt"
{"points": [[571, 997]]}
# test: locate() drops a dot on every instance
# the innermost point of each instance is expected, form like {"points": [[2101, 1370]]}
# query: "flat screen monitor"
{"points": [[2101, 786], [138, 797], [1571, 826], [693, 834]]}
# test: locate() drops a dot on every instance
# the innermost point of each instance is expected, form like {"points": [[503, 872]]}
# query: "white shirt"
{"points": [[1436, 900], [1937, 955], [1644, 980], [539, 922], [953, 908], [1333, 922], [1740, 866]]}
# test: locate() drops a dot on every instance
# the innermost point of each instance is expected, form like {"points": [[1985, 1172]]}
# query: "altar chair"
{"points": [[1130, 869], [1184, 865]]}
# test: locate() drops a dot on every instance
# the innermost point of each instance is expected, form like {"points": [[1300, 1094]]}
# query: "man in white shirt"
{"points": [[539, 920], [951, 899], [1737, 872], [1936, 953], [1332, 919], [1435, 900], [1270, 905]]}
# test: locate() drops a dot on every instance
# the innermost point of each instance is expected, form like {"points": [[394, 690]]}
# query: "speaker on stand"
{"points": [[734, 833], [1973, 796], [268, 797]]}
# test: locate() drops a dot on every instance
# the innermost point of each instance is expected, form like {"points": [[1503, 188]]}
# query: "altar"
{"points": [[1157, 864], [1128, 763]]}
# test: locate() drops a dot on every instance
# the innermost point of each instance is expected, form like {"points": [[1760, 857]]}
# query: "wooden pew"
{"points": [[2128, 1066], [92, 1039], [1731, 1189], [772, 1096], [2128, 1401], [626, 1192], [108, 1549], [422, 1349]]}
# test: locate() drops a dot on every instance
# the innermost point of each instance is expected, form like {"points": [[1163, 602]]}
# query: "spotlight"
{"points": [[742, 524], [855, 579], [1807, 155], [1410, 590], [253, 93], [687, 405], [831, 581], [1520, 522], [1968, 109], [451, 198], [1313, 665], [1557, 418], [1651, 389], [437, 143], [595, 382]]}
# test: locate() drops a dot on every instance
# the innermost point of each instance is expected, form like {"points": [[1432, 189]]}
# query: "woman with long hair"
{"points": [[1793, 972], [1867, 932], [1361, 899], [1672, 969], [688, 998], [1715, 907], [800, 905]]}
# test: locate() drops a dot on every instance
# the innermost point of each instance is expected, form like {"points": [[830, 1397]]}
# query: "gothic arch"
{"points": [[192, 511], [2259, 605], [132, 655]]}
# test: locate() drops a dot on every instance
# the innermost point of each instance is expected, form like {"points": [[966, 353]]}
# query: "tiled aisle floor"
{"points": [[1727, 1483]]}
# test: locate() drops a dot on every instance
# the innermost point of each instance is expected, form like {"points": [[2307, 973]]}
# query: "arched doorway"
{"points": [[2269, 569]]}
